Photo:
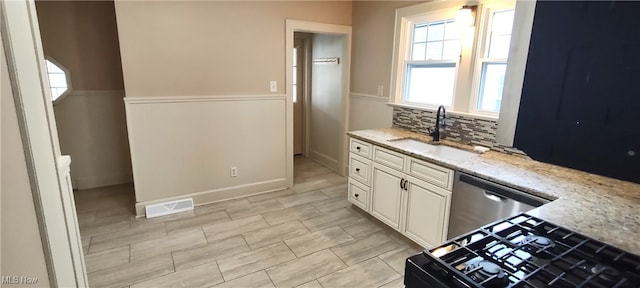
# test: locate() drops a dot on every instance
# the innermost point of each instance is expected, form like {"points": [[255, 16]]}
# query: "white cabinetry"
{"points": [[386, 195], [408, 194]]}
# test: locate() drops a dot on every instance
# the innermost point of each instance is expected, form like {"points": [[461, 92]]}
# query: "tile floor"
{"points": [[308, 236]]}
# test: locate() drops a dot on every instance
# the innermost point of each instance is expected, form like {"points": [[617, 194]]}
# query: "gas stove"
{"points": [[523, 251]]}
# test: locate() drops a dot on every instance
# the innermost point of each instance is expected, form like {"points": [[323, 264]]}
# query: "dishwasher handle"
{"points": [[494, 197], [503, 192]]}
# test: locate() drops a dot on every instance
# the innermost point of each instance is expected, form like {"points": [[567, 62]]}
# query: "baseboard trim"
{"points": [[82, 183], [222, 194], [325, 160]]}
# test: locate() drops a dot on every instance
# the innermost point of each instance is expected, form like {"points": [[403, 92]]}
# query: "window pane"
{"points": [[499, 46], [431, 84], [501, 25], [52, 68], [417, 52], [57, 81], [295, 93], [295, 75], [451, 50], [295, 56], [434, 50], [451, 31], [502, 22], [56, 92], [436, 32], [491, 85], [420, 33]]}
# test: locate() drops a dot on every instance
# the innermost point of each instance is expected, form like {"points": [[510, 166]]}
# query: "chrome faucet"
{"points": [[441, 115]]}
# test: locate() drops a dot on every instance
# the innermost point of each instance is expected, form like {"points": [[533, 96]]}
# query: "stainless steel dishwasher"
{"points": [[476, 202]]}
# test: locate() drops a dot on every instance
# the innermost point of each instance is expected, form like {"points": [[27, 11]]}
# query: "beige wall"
{"points": [[232, 49], [22, 253], [82, 36], [373, 29], [191, 48]]}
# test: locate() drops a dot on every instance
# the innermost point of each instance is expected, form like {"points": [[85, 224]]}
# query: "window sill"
{"points": [[469, 115]]}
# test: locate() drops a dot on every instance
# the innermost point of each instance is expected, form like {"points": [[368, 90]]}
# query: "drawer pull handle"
{"points": [[357, 195], [405, 185], [357, 169], [402, 183], [358, 148]]}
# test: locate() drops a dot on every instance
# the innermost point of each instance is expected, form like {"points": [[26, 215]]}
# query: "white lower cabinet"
{"points": [[415, 204], [427, 214], [386, 195]]}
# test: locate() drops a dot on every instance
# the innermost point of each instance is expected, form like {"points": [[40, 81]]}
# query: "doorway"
{"points": [[317, 93]]}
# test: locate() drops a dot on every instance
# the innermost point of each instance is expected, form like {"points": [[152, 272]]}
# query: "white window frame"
{"points": [[484, 34], [465, 91], [406, 61]]}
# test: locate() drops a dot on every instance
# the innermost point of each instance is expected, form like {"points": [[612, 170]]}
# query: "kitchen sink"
{"points": [[434, 148]]}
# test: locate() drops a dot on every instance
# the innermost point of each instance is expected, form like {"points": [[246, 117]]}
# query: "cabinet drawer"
{"points": [[359, 194], [360, 148], [360, 168], [389, 158], [434, 174]]}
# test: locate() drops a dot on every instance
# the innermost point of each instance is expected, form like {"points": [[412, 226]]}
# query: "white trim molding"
{"points": [[213, 98], [369, 97]]}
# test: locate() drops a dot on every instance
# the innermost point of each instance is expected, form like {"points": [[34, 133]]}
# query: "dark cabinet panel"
{"points": [[580, 104]]}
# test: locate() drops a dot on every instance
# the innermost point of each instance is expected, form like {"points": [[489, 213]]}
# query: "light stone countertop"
{"points": [[602, 208]]}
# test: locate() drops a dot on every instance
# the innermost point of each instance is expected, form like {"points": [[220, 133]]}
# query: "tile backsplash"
{"points": [[458, 128]]}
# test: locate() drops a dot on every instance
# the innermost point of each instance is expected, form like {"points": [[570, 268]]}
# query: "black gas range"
{"points": [[523, 251]]}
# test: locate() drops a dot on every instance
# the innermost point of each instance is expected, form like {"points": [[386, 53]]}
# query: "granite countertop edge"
{"points": [[599, 207]]}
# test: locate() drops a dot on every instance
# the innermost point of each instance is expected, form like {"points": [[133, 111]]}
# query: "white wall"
{"points": [[184, 147], [92, 129], [326, 107]]}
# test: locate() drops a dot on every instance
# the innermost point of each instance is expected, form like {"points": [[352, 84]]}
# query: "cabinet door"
{"points": [[427, 214], [386, 195]]}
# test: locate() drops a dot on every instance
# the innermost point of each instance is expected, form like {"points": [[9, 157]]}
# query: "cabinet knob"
{"points": [[356, 195], [631, 153], [357, 169], [358, 148]]}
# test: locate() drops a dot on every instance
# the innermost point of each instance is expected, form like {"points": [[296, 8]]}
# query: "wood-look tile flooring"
{"points": [[308, 236]]}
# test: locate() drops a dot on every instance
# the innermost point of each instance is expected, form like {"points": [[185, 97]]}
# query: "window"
{"points": [[439, 62], [58, 80], [492, 64], [295, 74], [431, 69]]}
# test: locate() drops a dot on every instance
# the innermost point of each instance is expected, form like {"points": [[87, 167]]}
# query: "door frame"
{"points": [[316, 28], [27, 72]]}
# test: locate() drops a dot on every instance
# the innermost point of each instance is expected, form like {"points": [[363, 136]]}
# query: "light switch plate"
{"points": [[273, 86]]}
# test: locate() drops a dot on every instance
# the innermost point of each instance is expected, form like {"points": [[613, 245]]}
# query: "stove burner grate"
{"points": [[524, 251]]}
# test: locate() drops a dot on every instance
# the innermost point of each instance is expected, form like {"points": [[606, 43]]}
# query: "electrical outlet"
{"points": [[234, 171], [380, 90], [273, 86]]}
